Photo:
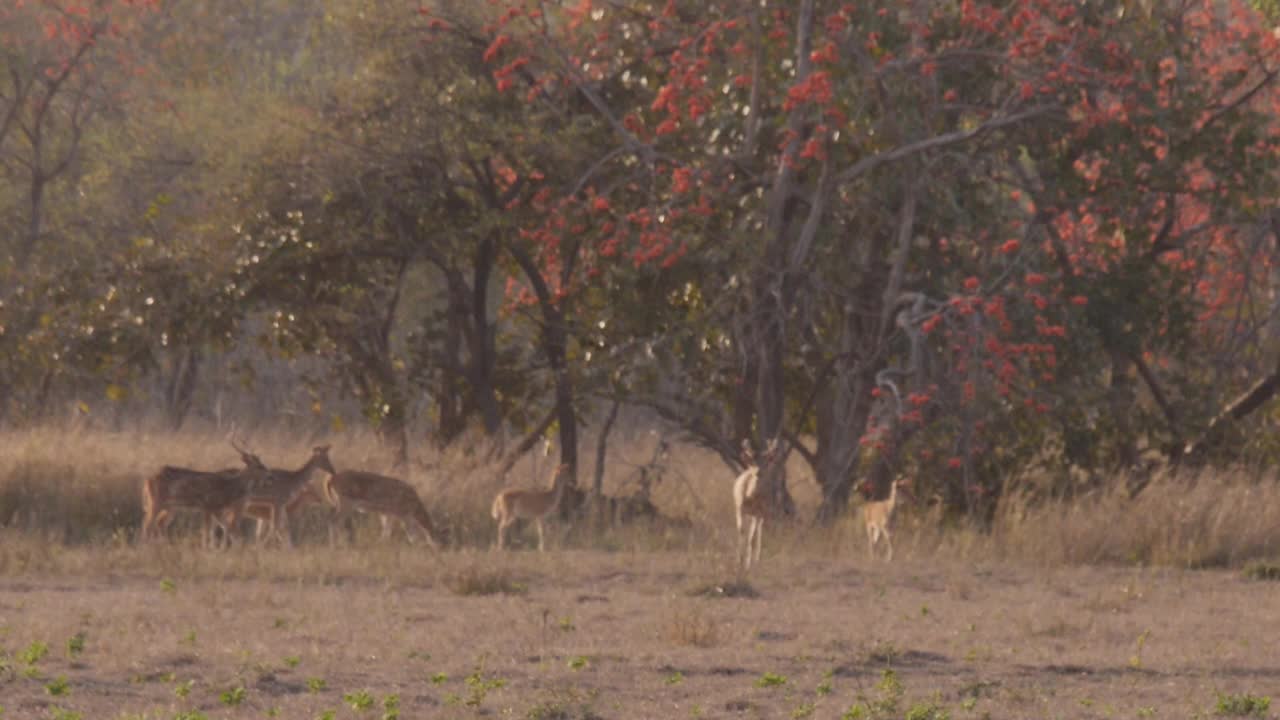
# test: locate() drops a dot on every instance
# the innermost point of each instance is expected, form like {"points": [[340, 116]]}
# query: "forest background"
{"points": [[1000, 247]]}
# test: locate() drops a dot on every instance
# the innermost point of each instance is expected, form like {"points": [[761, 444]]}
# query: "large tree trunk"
{"points": [[555, 340], [484, 333]]}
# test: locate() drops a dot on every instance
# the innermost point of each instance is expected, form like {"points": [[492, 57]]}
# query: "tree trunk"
{"points": [[181, 386], [555, 339]]}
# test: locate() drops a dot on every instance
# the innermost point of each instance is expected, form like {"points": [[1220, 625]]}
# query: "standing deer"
{"points": [[391, 498], [752, 504], [212, 493], [271, 493], [878, 515], [514, 504]]}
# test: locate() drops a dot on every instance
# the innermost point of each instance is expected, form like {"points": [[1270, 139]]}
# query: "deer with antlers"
{"points": [[271, 493], [215, 494], [752, 503]]}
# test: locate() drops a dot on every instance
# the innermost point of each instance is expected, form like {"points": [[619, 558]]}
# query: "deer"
{"points": [[878, 515], [214, 494], [391, 498], [514, 504], [752, 504], [271, 492]]}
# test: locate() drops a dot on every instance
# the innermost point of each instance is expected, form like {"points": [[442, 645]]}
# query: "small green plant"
{"points": [[579, 663], [327, 715], [316, 684], [280, 623], [804, 710], [183, 689], [885, 706], [189, 639], [824, 687], [566, 624], [168, 586], [58, 713], [675, 678], [1135, 660], [391, 707], [58, 686], [1147, 712], [292, 661], [75, 644], [770, 680], [191, 715], [478, 687], [273, 711], [360, 700], [233, 697], [1242, 705], [439, 678], [33, 653]]}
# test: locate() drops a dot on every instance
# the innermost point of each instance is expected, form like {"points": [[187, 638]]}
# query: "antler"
{"points": [[250, 459]]}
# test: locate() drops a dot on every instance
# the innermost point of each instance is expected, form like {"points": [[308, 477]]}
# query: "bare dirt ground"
{"points": [[576, 634]]}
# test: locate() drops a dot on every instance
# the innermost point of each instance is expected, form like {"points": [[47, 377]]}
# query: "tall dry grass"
{"points": [[71, 500]]}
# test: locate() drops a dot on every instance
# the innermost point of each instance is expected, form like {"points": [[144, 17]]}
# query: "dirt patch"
{"points": [[621, 636]]}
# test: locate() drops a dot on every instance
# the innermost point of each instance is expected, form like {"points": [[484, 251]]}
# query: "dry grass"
{"points": [[1064, 609], [81, 489]]}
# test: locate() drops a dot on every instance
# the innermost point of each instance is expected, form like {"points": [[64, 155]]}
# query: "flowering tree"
{"points": [[935, 211]]}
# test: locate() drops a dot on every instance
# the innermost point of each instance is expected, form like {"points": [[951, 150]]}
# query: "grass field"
{"points": [[1106, 608]]}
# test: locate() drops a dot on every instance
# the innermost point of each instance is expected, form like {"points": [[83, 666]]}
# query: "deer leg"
{"points": [[759, 538], [541, 547], [283, 528]]}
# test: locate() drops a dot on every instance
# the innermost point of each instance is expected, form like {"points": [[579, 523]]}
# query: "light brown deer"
{"points": [[309, 495], [752, 505], [878, 515], [271, 493], [514, 504], [214, 494], [391, 498]]}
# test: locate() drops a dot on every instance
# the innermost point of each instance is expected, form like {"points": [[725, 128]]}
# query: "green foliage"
{"points": [[359, 700], [316, 684], [75, 644], [233, 697], [1244, 705], [884, 706], [34, 653], [58, 686], [770, 679]]}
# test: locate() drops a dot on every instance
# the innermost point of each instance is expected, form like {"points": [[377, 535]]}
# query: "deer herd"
{"points": [[271, 495]]}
